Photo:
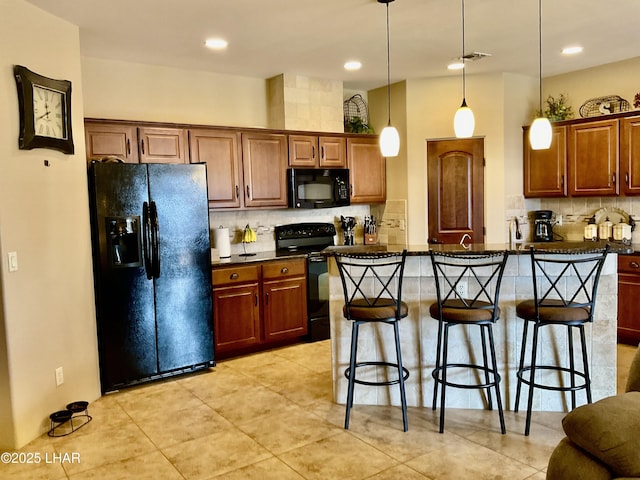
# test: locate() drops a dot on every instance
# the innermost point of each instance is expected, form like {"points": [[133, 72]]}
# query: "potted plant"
{"points": [[557, 108]]}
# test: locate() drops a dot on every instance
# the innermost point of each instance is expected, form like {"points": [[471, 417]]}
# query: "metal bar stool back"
{"points": [[372, 287], [468, 290], [564, 293]]}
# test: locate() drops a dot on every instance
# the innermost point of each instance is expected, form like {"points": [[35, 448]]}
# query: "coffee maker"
{"points": [[543, 226]]}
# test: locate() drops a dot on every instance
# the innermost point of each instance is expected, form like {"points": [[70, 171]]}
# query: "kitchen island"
{"points": [[418, 331]]}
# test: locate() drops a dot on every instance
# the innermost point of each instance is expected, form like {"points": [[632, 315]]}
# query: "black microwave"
{"points": [[318, 187]]}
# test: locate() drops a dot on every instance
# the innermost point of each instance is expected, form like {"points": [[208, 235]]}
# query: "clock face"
{"points": [[48, 112]]}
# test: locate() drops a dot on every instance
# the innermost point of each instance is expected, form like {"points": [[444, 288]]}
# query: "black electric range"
{"points": [[311, 238]]}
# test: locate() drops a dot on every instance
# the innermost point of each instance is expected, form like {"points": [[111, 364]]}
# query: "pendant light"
{"points": [[464, 122], [389, 138], [540, 132]]}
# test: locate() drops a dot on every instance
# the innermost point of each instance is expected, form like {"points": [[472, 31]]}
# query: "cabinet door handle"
{"points": [[626, 179], [562, 180], [142, 145], [313, 152], [248, 193], [234, 276], [284, 270], [256, 299], [128, 147], [634, 264], [613, 178], [266, 299], [237, 192], [322, 153]]}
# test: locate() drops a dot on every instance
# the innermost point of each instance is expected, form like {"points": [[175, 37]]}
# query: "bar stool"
{"points": [[468, 288], [372, 286], [564, 288]]}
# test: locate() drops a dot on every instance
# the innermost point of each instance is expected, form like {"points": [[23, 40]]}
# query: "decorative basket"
{"points": [[603, 106], [356, 115]]}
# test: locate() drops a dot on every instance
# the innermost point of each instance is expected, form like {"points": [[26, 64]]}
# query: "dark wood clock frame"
{"points": [[29, 139]]}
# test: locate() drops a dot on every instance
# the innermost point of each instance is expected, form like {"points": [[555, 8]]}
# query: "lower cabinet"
{"points": [[628, 294], [259, 306]]}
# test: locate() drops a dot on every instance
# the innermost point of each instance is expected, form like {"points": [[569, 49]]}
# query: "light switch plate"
{"points": [[13, 261]]}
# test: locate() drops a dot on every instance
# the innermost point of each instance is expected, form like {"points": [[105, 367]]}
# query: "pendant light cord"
{"points": [[388, 69], [540, 55], [464, 66]]}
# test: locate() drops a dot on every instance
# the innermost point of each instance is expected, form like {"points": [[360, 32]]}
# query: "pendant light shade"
{"points": [[464, 121], [389, 142], [389, 138], [540, 133]]}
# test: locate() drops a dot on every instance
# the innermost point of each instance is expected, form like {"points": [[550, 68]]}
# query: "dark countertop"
{"points": [[518, 248], [258, 257]]}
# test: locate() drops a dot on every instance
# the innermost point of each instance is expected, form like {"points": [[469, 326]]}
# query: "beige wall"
{"points": [[131, 91], [47, 318], [620, 78]]}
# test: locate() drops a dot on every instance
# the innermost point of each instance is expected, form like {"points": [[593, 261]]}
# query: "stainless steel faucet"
{"points": [[514, 230]]}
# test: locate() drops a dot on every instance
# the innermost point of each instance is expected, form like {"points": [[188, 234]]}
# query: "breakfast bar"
{"points": [[418, 331]]}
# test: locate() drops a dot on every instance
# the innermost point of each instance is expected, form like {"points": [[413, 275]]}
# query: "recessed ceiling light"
{"points": [[352, 65], [216, 43], [572, 50], [456, 65]]}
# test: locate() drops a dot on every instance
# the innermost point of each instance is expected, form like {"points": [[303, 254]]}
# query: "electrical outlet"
{"points": [[59, 376], [558, 219], [461, 289]]}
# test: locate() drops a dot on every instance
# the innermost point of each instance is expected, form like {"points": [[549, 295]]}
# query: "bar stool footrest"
{"points": [[405, 372], [526, 380], [436, 376]]}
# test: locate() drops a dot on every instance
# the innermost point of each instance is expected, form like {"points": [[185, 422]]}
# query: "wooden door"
{"points": [[162, 145], [105, 139], [628, 292], [367, 170], [220, 150], [630, 156], [303, 151], [264, 162], [333, 152], [455, 171], [593, 158], [545, 171]]}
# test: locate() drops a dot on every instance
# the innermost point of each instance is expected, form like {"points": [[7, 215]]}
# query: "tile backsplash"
{"points": [[575, 213]]}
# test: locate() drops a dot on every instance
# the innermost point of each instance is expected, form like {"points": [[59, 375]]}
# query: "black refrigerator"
{"points": [[152, 270]]}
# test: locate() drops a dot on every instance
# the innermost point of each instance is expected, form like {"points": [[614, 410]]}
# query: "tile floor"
{"points": [[271, 416]]}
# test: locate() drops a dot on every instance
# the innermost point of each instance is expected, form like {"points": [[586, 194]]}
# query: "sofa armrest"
{"points": [[633, 380]]}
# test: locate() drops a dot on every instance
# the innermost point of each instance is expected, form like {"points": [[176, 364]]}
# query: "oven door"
{"points": [[318, 298]]}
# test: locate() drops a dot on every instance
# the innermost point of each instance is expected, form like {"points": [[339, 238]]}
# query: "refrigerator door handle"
{"points": [[155, 240], [146, 240]]}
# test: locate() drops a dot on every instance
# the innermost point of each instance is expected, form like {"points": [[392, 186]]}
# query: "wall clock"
{"points": [[45, 111]]}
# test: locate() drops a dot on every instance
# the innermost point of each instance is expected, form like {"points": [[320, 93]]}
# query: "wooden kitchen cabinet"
{"points": [[284, 287], [592, 155], [104, 139], [236, 308], [220, 150], [162, 145], [367, 170], [317, 151], [259, 306], [628, 294], [264, 165], [630, 156], [545, 171]]}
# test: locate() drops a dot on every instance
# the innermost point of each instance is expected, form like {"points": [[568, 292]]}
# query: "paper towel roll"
{"points": [[222, 242]]}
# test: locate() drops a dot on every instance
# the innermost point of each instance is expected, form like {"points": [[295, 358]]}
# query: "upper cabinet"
{"points": [[367, 170], [135, 143], [317, 151], [592, 155], [599, 157], [630, 156], [545, 171], [111, 139], [162, 145], [264, 165], [220, 150]]}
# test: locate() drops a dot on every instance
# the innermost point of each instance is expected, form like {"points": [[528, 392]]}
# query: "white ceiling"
{"points": [[315, 38]]}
